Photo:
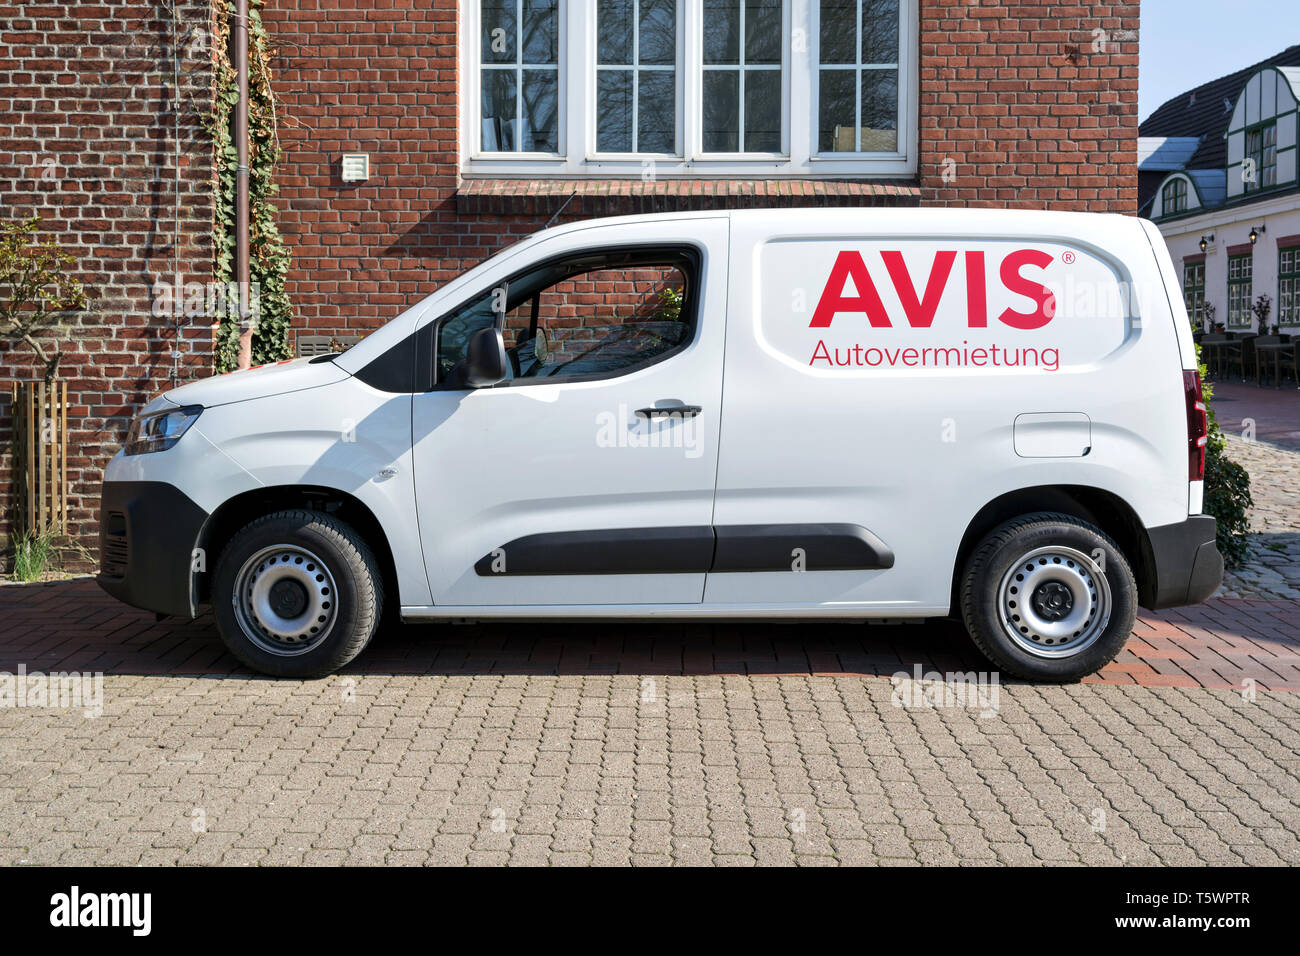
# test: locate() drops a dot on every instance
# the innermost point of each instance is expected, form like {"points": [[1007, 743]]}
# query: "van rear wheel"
{"points": [[1049, 597], [297, 594]]}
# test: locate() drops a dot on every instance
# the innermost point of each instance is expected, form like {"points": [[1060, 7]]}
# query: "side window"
{"points": [[592, 317], [455, 331]]}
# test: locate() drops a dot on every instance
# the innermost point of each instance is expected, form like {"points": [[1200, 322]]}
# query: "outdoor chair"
{"points": [[1288, 361], [1274, 353], [1244, 360], [1212, 348]]}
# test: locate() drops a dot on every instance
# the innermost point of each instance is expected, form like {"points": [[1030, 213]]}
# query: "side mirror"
{"points": [[485, 358]]}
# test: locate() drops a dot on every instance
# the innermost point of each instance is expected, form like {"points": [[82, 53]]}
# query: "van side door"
{"points": [[586, 477]]}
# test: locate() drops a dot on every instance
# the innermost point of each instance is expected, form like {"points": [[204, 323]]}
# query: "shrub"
{"points": [[36, 292], [1227, 489]]}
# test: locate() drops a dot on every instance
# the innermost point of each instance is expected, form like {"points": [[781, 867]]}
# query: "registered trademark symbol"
{"points": [[1067, 258]]}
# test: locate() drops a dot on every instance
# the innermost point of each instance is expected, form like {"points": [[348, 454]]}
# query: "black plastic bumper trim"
{"points": [[147, 553], [1188, 567]]}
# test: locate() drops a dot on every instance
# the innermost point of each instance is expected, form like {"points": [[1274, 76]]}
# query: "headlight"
{"points": [[161, 430]]}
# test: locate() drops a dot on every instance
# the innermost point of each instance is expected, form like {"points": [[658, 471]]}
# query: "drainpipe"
{"points": [[241, 185]]}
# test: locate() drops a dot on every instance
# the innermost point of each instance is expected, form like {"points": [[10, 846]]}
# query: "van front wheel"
{"points": [[297, 594], [1049, 597]]}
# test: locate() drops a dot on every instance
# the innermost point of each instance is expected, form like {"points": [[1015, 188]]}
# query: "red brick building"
{"points": [[482, 120]]}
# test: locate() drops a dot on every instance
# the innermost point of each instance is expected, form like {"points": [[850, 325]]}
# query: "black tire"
{"points": [[995, 561], [355, 599]]}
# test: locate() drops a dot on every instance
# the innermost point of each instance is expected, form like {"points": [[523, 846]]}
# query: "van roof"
{"points": [[832, 218]]}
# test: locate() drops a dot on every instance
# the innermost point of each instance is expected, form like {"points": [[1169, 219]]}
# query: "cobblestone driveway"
{"points": [[645, 744], [732, 770], [1273, 566]]}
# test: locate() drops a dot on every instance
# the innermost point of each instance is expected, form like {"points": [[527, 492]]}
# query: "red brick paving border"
{"points": [[72, 625]]}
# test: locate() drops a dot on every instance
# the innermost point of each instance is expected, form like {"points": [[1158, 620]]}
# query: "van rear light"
{"points": [[1197, 425]]}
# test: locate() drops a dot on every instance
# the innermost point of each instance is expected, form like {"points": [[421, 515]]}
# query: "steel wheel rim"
{"points": [[285, 600], [1054, 602]]}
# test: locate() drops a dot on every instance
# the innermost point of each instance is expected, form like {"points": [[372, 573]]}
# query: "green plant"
{"points": [[36, 294], [670, 304], [32, 554], [268, 256], [1227, 487]]}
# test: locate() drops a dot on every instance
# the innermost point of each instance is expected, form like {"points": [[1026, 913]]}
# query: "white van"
{"points": [[852, 414]]}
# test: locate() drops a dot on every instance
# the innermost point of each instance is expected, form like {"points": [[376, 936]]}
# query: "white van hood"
{"points": [[259, 382]]}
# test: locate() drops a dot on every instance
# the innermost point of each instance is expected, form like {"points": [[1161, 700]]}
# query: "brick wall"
{"points": [[87, 142], [1029, 105], [381, 80]]}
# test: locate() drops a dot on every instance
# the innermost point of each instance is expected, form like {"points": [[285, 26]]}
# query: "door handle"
{"points": [[684, 411]]}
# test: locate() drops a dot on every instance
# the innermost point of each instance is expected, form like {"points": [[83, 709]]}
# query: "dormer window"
{"points": [[1173, 197], [1261, 157], [1262, 133]]}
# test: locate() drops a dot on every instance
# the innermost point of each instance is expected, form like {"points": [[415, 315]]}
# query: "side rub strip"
{"points": [[691, 550]]}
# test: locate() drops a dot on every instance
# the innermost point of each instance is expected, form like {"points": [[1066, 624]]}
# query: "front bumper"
{"points": [[1186, 564], [147, 534]]}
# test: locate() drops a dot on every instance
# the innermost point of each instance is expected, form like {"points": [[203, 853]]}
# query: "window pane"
{"points": [[498, 106], [763, 111], [614, 32], [762, 31], [879, 31], [879, 111], [721, 31], [498, 28], [836, 108], [657, 112], [658, 31], [541, 31], [721, 111], [455, 332], [839, 31], [614, 111], [541, 111], [607, 320]]}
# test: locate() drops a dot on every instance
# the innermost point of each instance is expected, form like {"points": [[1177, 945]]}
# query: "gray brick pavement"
{"points": [[710, 769]]}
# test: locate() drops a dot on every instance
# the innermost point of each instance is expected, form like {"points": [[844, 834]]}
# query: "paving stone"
{"points": [[726, 766]]}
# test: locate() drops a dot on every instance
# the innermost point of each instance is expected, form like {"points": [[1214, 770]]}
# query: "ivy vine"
{"points": [[268, 256]]}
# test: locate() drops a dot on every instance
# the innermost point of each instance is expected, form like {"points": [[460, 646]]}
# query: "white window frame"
{"points": [[577, 157], [518, 68], [696, 93], [587, 67]]}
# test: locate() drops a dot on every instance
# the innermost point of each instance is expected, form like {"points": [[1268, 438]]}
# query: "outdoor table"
{"points": [[1213, 347], [1273, 351]]}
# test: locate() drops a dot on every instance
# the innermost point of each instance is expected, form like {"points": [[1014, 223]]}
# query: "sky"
{"points": [[1184, 43]]}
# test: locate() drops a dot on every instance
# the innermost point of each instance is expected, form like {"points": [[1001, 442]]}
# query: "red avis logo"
{"points": [[920, 309]]}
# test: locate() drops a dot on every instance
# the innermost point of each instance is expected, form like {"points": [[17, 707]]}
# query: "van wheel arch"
{"points": [[239, 511], [1107, 511]]}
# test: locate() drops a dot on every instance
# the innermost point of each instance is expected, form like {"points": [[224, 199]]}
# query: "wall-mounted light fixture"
{"points": [[1206, 240], [1255, 231]]}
